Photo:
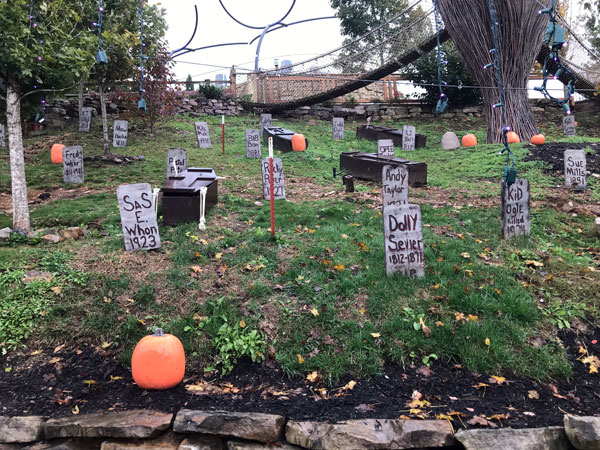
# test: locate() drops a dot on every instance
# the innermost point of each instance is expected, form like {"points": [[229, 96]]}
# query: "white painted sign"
{"points": [[385, 148], [338, 128], [253, 144], [403, 240], [575, 170], [73, 164], [85, 119], [278, 182], [176, 161], [569, 126], [2, 136], [202, 134], [138, 218], [394, 185], [120, 130], [515, 209], [408, 137]]}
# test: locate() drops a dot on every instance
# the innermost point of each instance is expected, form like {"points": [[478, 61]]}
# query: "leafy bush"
{"points": [[210, 91]]}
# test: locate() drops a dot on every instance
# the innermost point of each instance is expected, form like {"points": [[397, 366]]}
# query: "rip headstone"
{"points": [[252, 144], [2, 136], [120, 130], [515, 209], [408, 137], [385, 148], [266, 120], [394, 187], [338, 128], [575, 170], [138, 218], [202, 134], [176, 161], [403, 240], [73, 164], [450, 141], [569, 126], [278, 182], [85, 119]]}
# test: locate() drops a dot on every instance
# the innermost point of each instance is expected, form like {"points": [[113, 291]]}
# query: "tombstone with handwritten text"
{"points": [[176, 161], [138, 219], [266, 120], [2, 136], [202, 134], [73, 164], [394, 185], [338, 128], [121, 128], [385, 148], [569, 126], [408, 137], [278, 182], [515, 209], [403, 240], [252, 144], [575, 170], [85, 119]]}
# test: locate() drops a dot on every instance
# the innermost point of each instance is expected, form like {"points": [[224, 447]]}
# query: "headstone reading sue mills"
{"points": [[202, 134], [120, 133], [73, 164], [515, 209], [252, 144], [138, 219], [394, 185], [2, 136], [569, 125], [408, 137], [385, 148], [575, 170], [338, 128], [85, 119], [176, 161], [403, 240], [278, 182]]}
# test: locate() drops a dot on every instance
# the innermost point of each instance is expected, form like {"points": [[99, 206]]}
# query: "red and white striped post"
{"points": [[271, 187]]}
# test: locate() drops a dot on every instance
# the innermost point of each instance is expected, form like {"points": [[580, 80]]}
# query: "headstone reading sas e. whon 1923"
{"points": [[2, 136], [202, 134], [278, 182], [176, 161], [394, 185], [73, 164], [120, 133], [266, 120], [515, 209], [338, 128], [575, 170], [85, 119], [252, 144], [569, 126], [138, 218], [385, 148], [408, 137], [403, 240]]}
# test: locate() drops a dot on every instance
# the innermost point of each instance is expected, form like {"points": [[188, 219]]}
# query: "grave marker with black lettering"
{"points": [[120, 129], [403, 240], [515, 209], [85, 119], [176, 161], [408, 137], [569, 126], [575, 170], [266, 120], [138, 219], [202, 134], [2, 136], [278, 182], [385, 148], [338, 128], [394, 187], [73, 164], [253, 144]]}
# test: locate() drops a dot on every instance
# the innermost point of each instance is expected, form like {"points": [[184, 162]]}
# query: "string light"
{"points": [[442, 103], [142, 101], [101, 57]]}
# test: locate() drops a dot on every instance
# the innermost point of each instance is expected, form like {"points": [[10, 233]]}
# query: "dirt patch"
{"points": [[553, 154]]}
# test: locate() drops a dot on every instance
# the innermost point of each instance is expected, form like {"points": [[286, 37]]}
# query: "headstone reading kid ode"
{"points": [[394, 185], [2, 136], [385, 148], [138, 218], [338, 128], [278, 183], [408, 137], [266, 120], [120, 133], [73, 164], [515, 209], [85, 119], [252, 144], [176, 161], [575, 170], [403, 240], [202, 135], [569, 126]]}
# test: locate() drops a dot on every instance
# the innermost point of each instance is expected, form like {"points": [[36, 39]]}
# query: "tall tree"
{"points": [[592, 22], [189, 86]]}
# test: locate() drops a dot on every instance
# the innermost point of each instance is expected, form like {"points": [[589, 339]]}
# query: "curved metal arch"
{"points": [[190, 50], [283, 25], [251, 26], [193, 35]]}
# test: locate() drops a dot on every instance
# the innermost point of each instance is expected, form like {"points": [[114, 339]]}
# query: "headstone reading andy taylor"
{"points": [[408, 137], [403, 240], [202, 134], [394, 185], [569, 125], [2, 136], [278, 182], [266, 120], [85, 119], [252, 144], [73, 164], [176, 161], [515, 209], [575, 170], [338, 128], [385, 148], [138, 219], [120, 129]]}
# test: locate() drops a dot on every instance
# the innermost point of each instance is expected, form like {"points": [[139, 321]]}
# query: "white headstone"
{"points": [[394, 187], [575, 170], [278, 182], [202, 134], [176, 161], [85, 119], [338, 128], [73, 164], [252, 144], [408, 137], [266, 120], [403, 240], [120, 129], [569, 125], [385, 148], [450, 141], [138, 218], [515, 209], [2, 136]]}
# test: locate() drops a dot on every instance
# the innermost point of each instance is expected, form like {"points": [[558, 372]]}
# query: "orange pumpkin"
{"points": [[512, 137], [158, 361], [469, 140], [56, 153], [538, 139], [299, 142]]}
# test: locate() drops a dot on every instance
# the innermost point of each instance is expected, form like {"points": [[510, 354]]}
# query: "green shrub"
{"points": [[210, 91]]}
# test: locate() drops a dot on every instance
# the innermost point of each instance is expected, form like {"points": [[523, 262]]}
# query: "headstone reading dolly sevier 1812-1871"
{"points": [[138, 218], [73, 164], [515, 209], [266, 120], [202, 134], [569, 126], [278, 182], [120, 133], [575, 170], [385, 148], [85, 119], [408, 137], [2, 136], [403, 240], [252, 144], [176, 161], [394, 186], [338, 128]]}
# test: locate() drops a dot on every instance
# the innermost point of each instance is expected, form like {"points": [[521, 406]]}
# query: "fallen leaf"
{"points": [[439, 323], [473, 317], [443, 417], [478, 420], [339, 267], [376, 335], [364, 407], [89, 382], [533, 394], [480, 385], [58, 348], [242, 323], [218, 256], [75, 410], [425, 371], [349, 385], [105, 345], [313, 376], [344, 236], [314, 312], [36, 352], [113, 378], [426, 330], [57, 289], [300, 358], [487, 342], [497, 380], [465, 255], [531, 262], [196, 269]]}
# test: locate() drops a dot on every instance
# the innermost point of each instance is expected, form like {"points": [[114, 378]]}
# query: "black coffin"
{"points": [[181, 195], [374, 133], [369, 166], [282, 138]]}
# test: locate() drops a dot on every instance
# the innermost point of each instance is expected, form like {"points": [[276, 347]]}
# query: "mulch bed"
{"points": [[553, 154], [57, 384]]}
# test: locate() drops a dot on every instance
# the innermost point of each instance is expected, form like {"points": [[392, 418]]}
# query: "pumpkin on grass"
{"points": [[512, 137], [56, 154], [158, 361], [299, 142], [469, 140]]}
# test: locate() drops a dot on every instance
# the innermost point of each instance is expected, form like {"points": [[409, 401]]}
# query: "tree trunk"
{"points": [[17, 157], [521, 31], [80, 96], [105, 141]]}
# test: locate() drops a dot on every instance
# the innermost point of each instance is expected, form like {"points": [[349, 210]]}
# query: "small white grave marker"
{"points": [[385, 148], [138, 219], [575, 170], [266, 120], [73, 164], [394, 185], [176, 161], [278, 182], [408, 137], [85, 119], [252, 144], [569, 126], [515, 209], [202, 134], [403, 240], [120, 130], [338, 128], [2, 136]]}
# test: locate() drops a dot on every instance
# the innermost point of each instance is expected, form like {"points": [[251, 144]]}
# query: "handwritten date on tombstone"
{"points": [[403, 240], [252, 144], [278, 181], [408, 137], [202, 134], [394, 185], [515, 209], [385, 148], [569, 126], [338, 128], [85, 119], [176, 161], [138, 220], [575, 169], [73, 164], [121, 128]]}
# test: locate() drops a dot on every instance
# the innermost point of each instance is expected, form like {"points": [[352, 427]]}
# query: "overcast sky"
{"points": [[296, 43]]}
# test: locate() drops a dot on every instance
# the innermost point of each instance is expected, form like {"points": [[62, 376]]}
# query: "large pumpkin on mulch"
{"points": [[538, 139]]}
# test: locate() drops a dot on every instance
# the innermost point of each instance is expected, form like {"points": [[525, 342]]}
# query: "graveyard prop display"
{"points": [[338, 128], [73, 164], [181, 196], [278, 181], [272, 186], [403, 240], [394, 185], [575, 170], [266, 120], [2, 136], [138, 218], [450, 141], [176, 161], [253, 144], [569, 126], [385, 148], [538, 139], [85, 119], [120, 130], [374, 133], [56, 153], [515, 209], [408, 137], [282, 138], [368, 166], [348, 181], [223, 132], [202, 134]]}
